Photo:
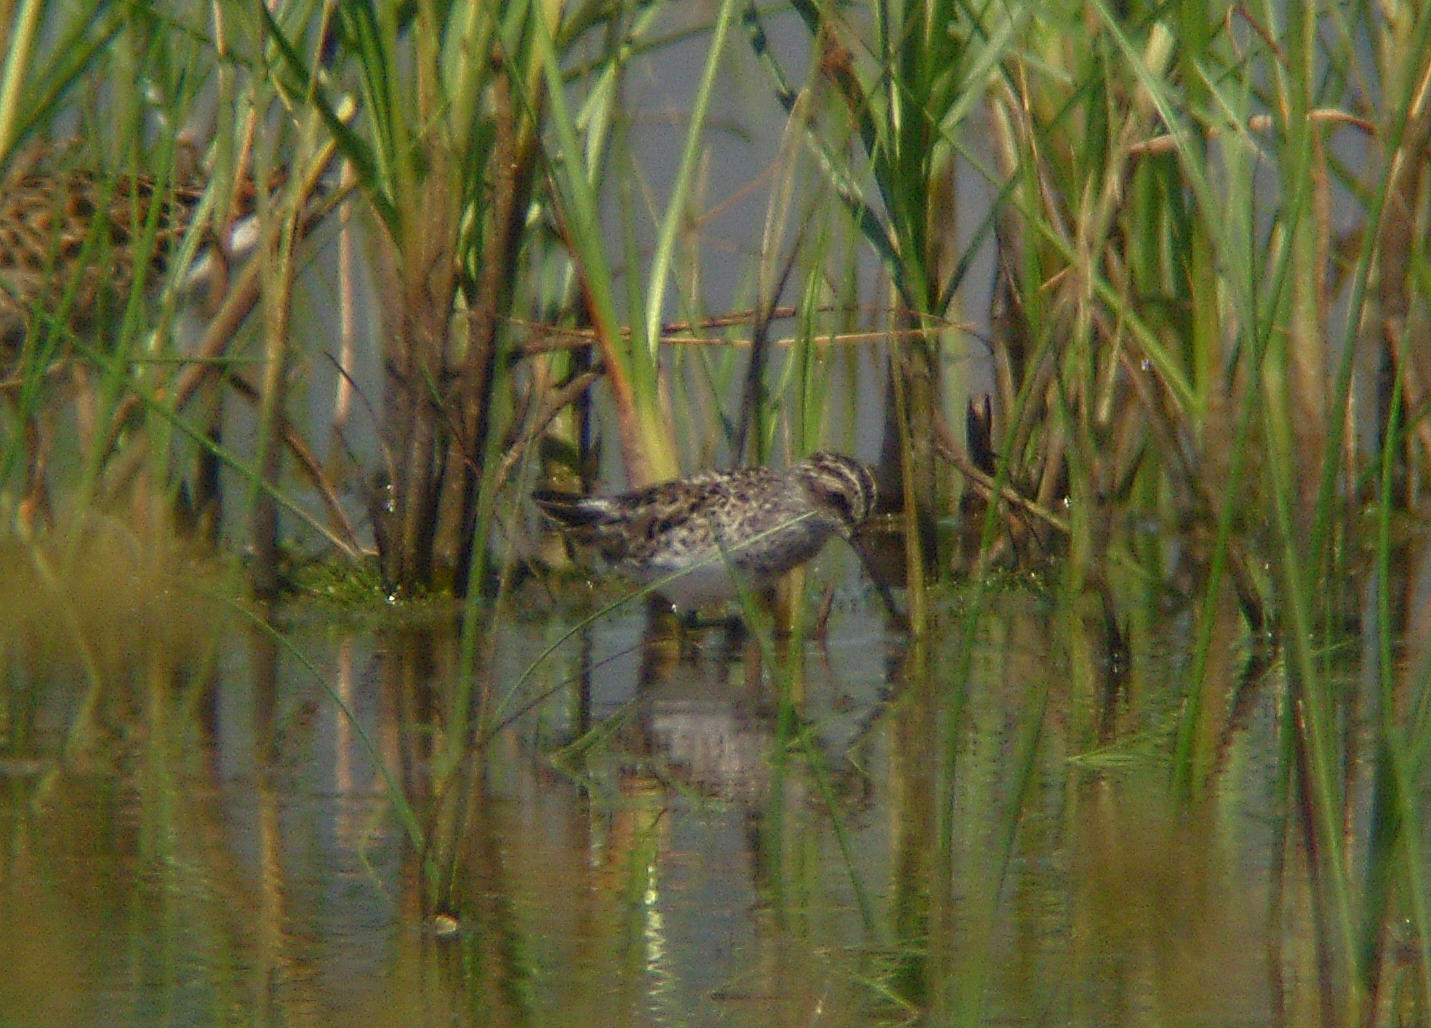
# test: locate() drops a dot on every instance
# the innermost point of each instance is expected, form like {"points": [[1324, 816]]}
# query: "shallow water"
{"points": [[657, 831]]}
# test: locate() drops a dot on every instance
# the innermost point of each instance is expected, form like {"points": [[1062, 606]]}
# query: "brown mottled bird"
{"points": [[68, 243], [690, 533], [73, 245]]}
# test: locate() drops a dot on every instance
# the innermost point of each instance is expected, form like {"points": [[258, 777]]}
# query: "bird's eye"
{"points": [[838, 502]]}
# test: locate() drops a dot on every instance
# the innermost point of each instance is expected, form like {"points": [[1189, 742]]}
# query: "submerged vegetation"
{"points": [[1133, 295]]}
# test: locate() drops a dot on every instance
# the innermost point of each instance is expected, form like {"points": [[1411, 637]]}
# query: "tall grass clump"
{"points": [[1182, 334], [444, 158], [490, 177], [1201, 332]]}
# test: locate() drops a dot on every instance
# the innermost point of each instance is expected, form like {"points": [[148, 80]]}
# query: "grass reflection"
{"points": [[687, 833]]}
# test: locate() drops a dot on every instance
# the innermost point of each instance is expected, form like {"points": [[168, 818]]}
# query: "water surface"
{"points": [[639, 828]]}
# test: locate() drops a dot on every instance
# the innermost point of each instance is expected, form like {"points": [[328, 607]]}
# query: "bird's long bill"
{"points": [[867, 562]]}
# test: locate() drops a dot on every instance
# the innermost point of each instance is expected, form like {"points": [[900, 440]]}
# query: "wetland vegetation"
{"points": [[1126, 305]]}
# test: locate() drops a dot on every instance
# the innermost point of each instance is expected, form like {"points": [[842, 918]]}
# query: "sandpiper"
{"points": [[83, 237], [48, 223], [72, 244], [757, 521]]}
